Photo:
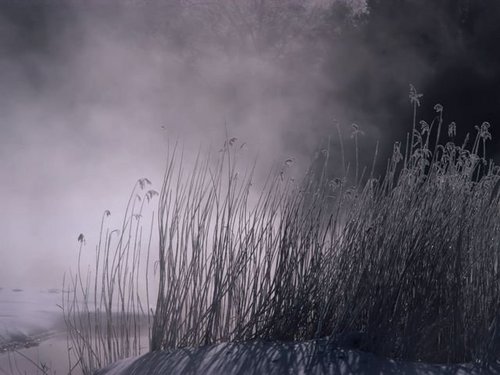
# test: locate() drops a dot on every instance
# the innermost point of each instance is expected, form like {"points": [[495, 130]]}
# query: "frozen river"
{"points": [[32, 332]]}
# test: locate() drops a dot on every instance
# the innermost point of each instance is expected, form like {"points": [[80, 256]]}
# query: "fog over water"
{"points": [[91, 94]]}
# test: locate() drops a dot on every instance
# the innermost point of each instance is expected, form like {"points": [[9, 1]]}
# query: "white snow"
{"points": [[259, 357]]}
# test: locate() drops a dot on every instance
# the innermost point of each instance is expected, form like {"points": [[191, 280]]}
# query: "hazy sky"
{"points": [[90, 95]]}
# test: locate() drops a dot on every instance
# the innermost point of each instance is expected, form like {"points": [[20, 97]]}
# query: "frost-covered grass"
{"points": [[410, 261]]}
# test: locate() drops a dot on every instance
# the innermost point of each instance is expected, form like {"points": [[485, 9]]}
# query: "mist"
{"points": [[91, 95]]}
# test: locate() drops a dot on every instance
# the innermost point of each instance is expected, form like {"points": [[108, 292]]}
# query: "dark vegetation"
{"points": [[408, 261]]}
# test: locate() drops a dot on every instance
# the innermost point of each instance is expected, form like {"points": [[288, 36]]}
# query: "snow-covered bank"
{"points": [[313, 357]]}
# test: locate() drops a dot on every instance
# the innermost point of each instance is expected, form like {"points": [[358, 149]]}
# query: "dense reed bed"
{"points": [[409, 262]]}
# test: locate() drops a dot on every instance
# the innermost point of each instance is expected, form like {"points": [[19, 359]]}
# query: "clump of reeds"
{"points": [[408, 261], [416, 264], [104, 314], [233, 266]]}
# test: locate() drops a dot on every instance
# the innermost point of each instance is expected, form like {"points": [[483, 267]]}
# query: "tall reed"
{"points": [[103, 305], [409, 261], [231, 268]]}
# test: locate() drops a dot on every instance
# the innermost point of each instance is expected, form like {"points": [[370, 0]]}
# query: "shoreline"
{"points": [[28, 341], [44, 354]]}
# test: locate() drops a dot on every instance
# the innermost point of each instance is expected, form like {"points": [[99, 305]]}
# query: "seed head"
{"points": [[452, 129], [438, 108], [414, 96], [425, 127]]}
